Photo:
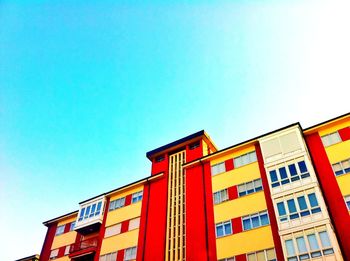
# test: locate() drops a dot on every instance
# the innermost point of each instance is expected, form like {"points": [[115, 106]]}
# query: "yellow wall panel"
{"points": [[329, 128], [338, 152], [67, 220], [126, 192], [248, 204], [124, 213], [245, 242], [232, 153], [121, 241], [236, 176], [344, 184], [64, 239]]}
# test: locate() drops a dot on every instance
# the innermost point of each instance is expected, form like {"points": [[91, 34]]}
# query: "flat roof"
{"points": [[200, 133]]}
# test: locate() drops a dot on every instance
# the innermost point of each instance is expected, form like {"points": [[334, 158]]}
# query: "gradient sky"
{"points": [[88, 87]]}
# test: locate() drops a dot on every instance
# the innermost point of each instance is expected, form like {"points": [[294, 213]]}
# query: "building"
{"points": [[284, 195]]}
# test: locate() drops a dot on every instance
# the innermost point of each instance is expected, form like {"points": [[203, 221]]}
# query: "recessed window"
{"points": [[53, 254], [220, 196], [136, 197], [331, 139], [347, 201], [249, 187], [130, 253], [113, 230], [244, 159], [115, 204], [72, 225], [263, 255], [109, 257], [134, 223], [60, 230], [194, 145], [223, 229], [341, 167], [255, 220], [218, 168]]}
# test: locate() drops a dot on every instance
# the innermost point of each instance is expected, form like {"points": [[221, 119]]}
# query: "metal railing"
{"points": [[91, 242]]}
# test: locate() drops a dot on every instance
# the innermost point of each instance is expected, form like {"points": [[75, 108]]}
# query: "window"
{"points": [[244, 159], [194, 145], [347, 201], [312, 243], [118, 203], [249, 187], [130, 253], [298, 205], [90, 211], [66, 250], [218, 168], [263, 255], [255, 220], [331, 139], [342, 167], [113, 230], [223, 229], [72, 225], [136, 197], [109, 257], [134, 223], [54, 254], [60, 230], [227, 259], [220, 196], [288, 173]]}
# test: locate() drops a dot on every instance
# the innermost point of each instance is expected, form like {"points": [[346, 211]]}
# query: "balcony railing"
{"points": [[85, 244]]}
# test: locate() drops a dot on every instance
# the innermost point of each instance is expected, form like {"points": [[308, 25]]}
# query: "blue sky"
{"points": [[88, 87]]}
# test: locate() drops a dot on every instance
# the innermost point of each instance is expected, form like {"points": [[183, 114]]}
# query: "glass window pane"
{"points": [[219, 230], [264, 219], [290, 247], [250, 187], [283, 173], [302, 203], [260, 256], [313, 242], [292, 170], [313, 200], [252, 156], [228, 230], [302, 166], [291, 206], [255, 221], [251, 257], [246, 224], [325, 239], [270, 253], [273, 175], [257, 184], [301, 244], [346, 165], [281, 209]]}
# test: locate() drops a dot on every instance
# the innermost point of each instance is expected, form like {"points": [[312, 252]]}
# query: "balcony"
{"points": [[90, 216], [84, 250]]}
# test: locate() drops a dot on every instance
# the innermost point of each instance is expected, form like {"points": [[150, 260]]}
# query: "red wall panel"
{"points": [[46, 250], [331, 191], [229, 164], [232, 193], [237, 225], [344, 133], [271, 211]]}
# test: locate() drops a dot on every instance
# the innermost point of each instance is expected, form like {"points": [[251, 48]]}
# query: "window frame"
{"points": [[218, 168], [254, 216], [222, 196], [343, 170], [347, 201], [300, 212], [222, 224], [247, 191], [245, 159], [265, 254], [113, 204], [327, 139], [136, 197], [133, 253], [59, 228]]}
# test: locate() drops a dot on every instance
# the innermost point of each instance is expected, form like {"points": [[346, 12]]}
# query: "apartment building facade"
{"points": [[284, 195]]}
